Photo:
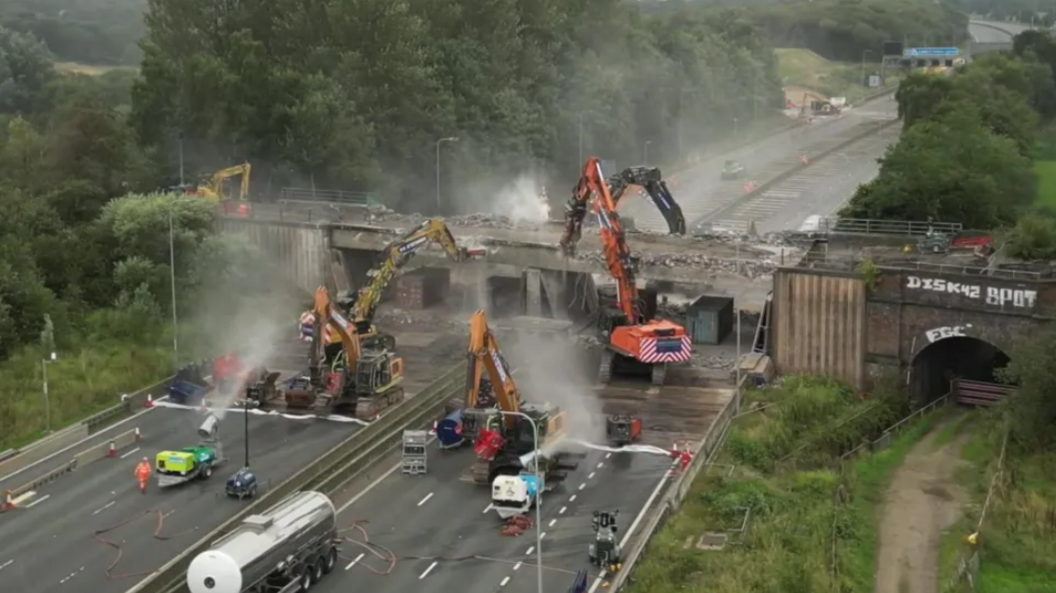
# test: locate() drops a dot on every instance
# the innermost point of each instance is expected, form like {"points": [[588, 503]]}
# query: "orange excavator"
{"points": [[634, 342], [504, 437]]}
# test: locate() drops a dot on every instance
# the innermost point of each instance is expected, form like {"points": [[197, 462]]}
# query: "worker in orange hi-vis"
{"points": [[143, 471]]}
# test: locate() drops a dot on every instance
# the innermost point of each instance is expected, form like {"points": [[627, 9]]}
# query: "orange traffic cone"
{"points": [[150, 401], [113, 450]]}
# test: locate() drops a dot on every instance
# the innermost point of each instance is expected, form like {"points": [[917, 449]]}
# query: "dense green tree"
{"points": [[950, 168], [1032, 409]]}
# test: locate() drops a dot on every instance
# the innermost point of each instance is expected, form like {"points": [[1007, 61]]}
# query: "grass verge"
{"points": [[1018, 533], [803, 70], [788, 544]]}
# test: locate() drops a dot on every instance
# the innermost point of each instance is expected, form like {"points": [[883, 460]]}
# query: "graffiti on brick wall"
{"points": [[941, 333], [991, 295]]}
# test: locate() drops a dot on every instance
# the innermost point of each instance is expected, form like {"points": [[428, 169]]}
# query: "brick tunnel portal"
{"points": [[936, 366]]}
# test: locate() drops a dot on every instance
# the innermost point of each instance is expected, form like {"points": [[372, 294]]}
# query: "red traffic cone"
{"points": [[113, 450], [9, 502], [433, 431], [150, 401]]}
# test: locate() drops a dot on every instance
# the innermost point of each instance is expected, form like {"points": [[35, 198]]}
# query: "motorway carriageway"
{"points": [[446, 537], [701, 192], [50, 544]]}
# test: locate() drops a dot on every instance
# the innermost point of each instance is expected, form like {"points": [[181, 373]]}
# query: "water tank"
{"points": [[261, 542], [449, 430]]}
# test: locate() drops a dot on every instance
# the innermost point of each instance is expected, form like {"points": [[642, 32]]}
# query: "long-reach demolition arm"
{"points": [[652, 181], [486, 357], [395, 256], [592, 188], [598, 193]]}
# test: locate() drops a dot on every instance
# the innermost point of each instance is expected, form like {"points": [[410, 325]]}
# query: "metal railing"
{"points": [[896, 228], [326, 196], [850, 263]]}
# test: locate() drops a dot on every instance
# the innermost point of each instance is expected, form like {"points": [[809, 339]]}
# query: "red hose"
{"points": [[157, 535]]}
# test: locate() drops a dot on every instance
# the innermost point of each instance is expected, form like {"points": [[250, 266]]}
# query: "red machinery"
{"points": [[633, 340]]}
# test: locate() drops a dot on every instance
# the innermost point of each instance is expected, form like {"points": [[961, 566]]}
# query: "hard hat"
{"points": [[147, 459]]}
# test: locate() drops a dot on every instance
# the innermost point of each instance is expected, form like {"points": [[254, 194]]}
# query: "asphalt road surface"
{"points": [[50, 545], [701, 192], [980, 33], [446, 538]]}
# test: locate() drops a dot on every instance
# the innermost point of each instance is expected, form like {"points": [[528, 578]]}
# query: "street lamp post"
{"points": [[645, 152], [172, 283], [580, 161], [245, 405], [538, 496], [47, 402], [438, 143], [865, 53]]}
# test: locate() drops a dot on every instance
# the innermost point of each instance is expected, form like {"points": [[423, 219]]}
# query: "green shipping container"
{"points": [[709, 320]]}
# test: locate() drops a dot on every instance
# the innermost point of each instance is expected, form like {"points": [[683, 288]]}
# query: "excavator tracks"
{"points": [[368, 408]]}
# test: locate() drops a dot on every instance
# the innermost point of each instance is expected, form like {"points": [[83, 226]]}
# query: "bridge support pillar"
{"points": [[554, 284], [533, 289]]}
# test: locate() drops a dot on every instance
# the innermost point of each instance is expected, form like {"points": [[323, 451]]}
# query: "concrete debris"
{"points": [[747, 268], [714, 361]]}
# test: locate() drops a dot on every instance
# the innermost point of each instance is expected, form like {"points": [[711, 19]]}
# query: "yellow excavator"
{"points": [[213, 187], [364, 305], [347, 375]]}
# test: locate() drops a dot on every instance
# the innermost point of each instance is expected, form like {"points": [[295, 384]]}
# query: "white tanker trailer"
{"points": [[285, 549]]}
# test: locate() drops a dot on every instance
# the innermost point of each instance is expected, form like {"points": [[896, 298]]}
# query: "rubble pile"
{"points": [[394, 316], [714, 361], [748, 268]]}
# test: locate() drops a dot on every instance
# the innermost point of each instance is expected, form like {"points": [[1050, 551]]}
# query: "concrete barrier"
{"points": [[43, 448], [344, 462]]}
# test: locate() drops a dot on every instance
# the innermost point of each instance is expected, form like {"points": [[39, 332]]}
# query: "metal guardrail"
{"points": [[331, 470], [318, 196], [850, 263], [898, 228]]}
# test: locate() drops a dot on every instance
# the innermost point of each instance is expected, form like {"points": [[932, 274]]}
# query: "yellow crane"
{"points": [[213, 187]]}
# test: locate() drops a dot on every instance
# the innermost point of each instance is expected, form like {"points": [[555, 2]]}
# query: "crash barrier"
{"points": [[72, 435], [344, 462], [761, 189], [672, 500], [94, 453]]}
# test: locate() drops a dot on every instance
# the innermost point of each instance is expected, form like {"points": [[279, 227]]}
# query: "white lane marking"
{"points": [[38, 501], [530, 550], [428, 570], [634, 525], [542, 535], [607, 455], [504, 581], [130, 453], [376, 482], [427, 497], [515, 566], [562, 511], [106, 506], [591, 476], [601, 464], [353, 563], [486, 509], [572, 498], [552, 521], [28, 495], [583, 485], [10, 562], [71, 575]]}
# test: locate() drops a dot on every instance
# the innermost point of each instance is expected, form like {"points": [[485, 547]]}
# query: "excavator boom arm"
{"points": [[216, 182], [327, 316], [485, 356], [651, 180], [592, 189], [397, 254]]}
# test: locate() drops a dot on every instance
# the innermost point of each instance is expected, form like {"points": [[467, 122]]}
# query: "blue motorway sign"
{"points": [[928, 52]]}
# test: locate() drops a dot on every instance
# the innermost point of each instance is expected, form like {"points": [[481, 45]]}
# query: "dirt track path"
{"points": [[922, 502]]}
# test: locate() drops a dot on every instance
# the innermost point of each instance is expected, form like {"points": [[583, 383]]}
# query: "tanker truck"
{"points": [[286, 549]]}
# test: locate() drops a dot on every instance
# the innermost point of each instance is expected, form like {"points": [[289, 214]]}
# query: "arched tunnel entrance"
{"points": [[969, 359]]}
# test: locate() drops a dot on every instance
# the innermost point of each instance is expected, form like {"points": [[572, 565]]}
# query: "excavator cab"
{"points": [[375, 370]]}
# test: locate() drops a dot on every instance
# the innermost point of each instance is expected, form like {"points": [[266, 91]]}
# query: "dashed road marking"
{"points": [[572, 498], [427, 497], [504, 581], [562, 511], [38, 501], [428, 570], [591, 476], [607, 455], [601, 464], [530, 550], [10, 562], [353, 563], [486, 509], [542, 535], [552, 521], [104, 507], [71, 575], [583, 485], [130, 453], [515, 566]]}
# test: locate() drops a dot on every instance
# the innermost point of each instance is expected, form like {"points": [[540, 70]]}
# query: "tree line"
{"points": [[966, 149]]}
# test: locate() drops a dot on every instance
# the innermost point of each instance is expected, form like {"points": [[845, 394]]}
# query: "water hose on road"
{"points": [[158, 535]]}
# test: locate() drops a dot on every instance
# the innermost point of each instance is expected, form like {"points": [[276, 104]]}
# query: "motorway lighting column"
{"points": [[172, 283], [538, 496], [47, 401], [438, 143]]}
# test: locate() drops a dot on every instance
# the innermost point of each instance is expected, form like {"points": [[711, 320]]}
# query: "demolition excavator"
{"points": [[504, 439], [213, 187], [364, 305], [345, 376], [633, 342]]}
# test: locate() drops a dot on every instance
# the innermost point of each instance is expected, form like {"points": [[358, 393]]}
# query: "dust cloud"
{"points": [[520, 199], [551, 370]]}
